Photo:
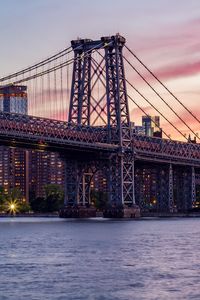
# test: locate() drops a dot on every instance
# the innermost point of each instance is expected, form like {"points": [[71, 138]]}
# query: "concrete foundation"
{"points": [[122, 212], [77, 212]]}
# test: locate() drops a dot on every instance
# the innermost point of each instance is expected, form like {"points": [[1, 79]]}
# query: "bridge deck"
{"points": [[24, 129]]}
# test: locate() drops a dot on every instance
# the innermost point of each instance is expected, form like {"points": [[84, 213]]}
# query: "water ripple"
{"points": [[44, 258]]}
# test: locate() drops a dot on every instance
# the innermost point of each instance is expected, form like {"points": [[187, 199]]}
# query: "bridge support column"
{"points": [[77, 190], [121, 187], [185, 188], [84, 189], [121, 180], [71, 182], [164, 187], [114, 181], [193, 188], [171, 190]]}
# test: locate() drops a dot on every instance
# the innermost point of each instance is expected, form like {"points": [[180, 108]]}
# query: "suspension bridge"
{"points": [[79, 103]]}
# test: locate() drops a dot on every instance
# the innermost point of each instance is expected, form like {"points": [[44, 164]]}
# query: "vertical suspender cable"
{"points": [[55, 110], [61, 94], [49, 89], [68, 90]]}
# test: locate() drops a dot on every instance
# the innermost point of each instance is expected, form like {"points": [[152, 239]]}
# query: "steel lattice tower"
{"points": [[121, 164]]}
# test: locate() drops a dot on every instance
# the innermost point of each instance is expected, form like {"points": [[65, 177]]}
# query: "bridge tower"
{"points": [[116, 111]]}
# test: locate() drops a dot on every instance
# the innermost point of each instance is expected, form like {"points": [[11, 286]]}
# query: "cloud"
{"points": [[190, 121], [181, 36], [171, 55], [137, 111], [182, 70], [136, 115]]}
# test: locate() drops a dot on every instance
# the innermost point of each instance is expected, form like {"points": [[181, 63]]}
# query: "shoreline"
{"points": [[36, 215], [171, 215], [144, 216]]}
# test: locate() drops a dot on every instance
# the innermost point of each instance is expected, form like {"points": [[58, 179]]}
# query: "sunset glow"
{"points": [[164, 35]]}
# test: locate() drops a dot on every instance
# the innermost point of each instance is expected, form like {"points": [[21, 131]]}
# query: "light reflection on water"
{"points": [[51, 258]]}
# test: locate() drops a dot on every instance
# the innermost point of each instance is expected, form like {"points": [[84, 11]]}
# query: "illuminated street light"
{"points": [[12, 207]]}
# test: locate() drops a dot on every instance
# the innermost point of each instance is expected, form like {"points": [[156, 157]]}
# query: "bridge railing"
{"points": [[42, 129], [152, 145], [24, 125]]}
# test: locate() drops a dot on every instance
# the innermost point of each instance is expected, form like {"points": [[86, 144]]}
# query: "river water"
{"points": [[44, 258]]}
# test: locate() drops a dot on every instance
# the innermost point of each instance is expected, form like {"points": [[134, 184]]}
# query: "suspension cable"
{"points": [[50, 59], [42, 73], [161, 98], [166, 88], [166, 119], [40, 64], [148, 103], [61, 65], [152, 120]]}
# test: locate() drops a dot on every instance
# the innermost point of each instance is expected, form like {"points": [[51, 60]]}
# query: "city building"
{"points": [[99, 182], [13, 99], [151, 124], [150, 127], [197, 204], [145, 188], [29, 171], [139, 130], [44, 168], [14, 171]]}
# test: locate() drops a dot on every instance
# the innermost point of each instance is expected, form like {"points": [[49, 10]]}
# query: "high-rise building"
{"points": [[151, 125], [27, 170], [14, 161], [13, 99], [44, 168]]}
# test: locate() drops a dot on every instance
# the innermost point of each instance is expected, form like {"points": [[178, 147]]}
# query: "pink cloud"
{"points": [[182, 36], [136, 115], [182, 70], [191, 122], [137, 111], [176, 50]]}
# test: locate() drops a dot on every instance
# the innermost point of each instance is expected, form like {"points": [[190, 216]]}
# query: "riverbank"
{"points": [[171, 215], [34, 215], [100, 215]]}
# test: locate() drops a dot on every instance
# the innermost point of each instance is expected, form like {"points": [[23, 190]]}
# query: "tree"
{"points": [[53, 201], [54, 197], [14, 194], [38, 204], [24, 207], [2, 195], [2, 198]]}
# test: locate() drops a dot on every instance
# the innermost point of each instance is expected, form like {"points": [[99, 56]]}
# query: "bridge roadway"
{"points": [[47, 134]]}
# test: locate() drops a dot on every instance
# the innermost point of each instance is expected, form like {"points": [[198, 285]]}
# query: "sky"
{"points": [[163, 33]]}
